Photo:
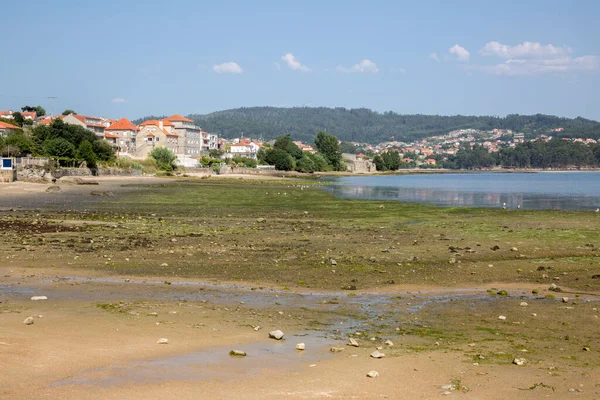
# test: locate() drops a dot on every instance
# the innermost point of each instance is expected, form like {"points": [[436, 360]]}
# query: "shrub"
{"points": [[165, 158]]}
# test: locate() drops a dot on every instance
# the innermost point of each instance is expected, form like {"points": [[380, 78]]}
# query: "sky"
{"points": [[131, 59]]}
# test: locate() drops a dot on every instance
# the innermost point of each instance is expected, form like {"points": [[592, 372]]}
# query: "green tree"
{"points": [[281, 159], [39, 110], [18, 117], [320, 162], [306, 164], [165, 158], [85, 152], [19, 143], [328, 145], [104, 150], [392, 160], [69, 111], [379, 163], [58, 147]]}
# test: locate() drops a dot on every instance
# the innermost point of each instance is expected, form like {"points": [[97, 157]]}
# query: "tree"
{"points": [[215, 153], [286, 144], [392, 160], [328, 145], [306, 164], [39, 110], [68, 111], [58, 147], [280, 159], [165, 158], [379, 163], [18, 117], [19, 143], [104, 150], [86, 153]]}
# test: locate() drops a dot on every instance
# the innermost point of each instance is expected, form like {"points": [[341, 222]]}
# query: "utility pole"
{"points": [[52, 98]]}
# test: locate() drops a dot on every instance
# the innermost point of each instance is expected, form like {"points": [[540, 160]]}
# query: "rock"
{"points": [[300, 346], [586, 349], [446, 393], [519, 361], [163, 341], [502, 318], [514, 249], [373, 374], [389, 343], [333, 262], [565, 299], [164, 265], [257, 328], [237, 353], [597, 276], [353, 342], [100, 193], [523, 304], [554, 288], [448, 387], [336, 349], [28, 321], [277, 335], [53, 189], [174, 240], [34, 298], [377, 354], [259, 220], [495, 247]]}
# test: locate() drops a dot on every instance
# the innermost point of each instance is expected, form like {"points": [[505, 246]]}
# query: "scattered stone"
{"points": [[277, 335], [300, 346], [495, 247], [586, 349], [554, 288], [100, 193], [377, 354], [164, 265], [28, 321], [53, 189], [353, 342], [446, 393], [333, 262], [174, 240], [514, 249], [336, 349], [448, 387], [259, 220], [237, 353], [389, 343], [163, 341], [565, 299], [373, 374], [597, 276], [519, 361], [34, 298], [523, 304], [257, 328], [502, 318]]}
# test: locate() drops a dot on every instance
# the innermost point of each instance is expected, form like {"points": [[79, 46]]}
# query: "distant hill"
{"points": [[364, 125]]}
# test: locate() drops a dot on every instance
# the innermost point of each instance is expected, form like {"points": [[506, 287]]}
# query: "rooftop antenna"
{"points": [[52, 98]]}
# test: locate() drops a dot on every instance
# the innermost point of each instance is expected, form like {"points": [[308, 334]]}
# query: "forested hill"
{"points": [[364, 125]]}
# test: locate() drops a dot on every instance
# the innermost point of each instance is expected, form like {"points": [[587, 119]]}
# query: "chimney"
{"points": [[160, 124]]}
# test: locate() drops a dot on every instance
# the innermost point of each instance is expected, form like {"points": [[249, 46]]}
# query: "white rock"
{"points": [[34, 298], [502, 318], [446, 393], [523, 304], [28, 321], [336, 349], [565, 299], [163, 341], [300, 346], [237, 353], [389, 343], [257, 328], [352, 342], [377, 354], [277, 335], [373, 374], [519, 361]]}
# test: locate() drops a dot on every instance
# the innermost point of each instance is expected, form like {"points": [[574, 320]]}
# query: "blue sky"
{"points": [[132, 58]]}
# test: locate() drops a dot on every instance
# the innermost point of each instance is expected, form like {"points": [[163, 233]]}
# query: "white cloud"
{"points": [[543, 66], [118, 100], [293, 63], [228, 68], [363, 66], [434, 57], [524, 50], [532, 58], [460, 52]]}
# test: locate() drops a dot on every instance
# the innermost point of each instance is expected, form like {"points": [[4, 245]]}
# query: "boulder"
{"points": [[277, 335]]}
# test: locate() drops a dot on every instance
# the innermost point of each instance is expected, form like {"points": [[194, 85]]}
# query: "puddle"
{"points": [[262, 358]]}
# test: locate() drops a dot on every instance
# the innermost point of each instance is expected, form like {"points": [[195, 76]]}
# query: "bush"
{"points": [[165, 158], [280, 159], [58, 147], [86, 153], [245, 161]]}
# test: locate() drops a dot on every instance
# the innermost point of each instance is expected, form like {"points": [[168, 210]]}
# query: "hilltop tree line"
{"points": [[555, 153], [69, 144], [364, 125]]}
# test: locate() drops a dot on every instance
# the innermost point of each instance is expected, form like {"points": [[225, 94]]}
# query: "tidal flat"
{"points": [[215, 258]]}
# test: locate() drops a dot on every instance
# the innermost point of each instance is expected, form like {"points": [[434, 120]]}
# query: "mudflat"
{"points": [[454, 297]]}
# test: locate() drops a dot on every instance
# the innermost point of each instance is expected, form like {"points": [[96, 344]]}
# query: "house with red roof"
{"points": [[123, 134], [95, 124], [156, 133], [190, 135], [6, 128]]}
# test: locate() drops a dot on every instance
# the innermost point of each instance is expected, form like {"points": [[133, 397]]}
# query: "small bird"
{"points": [[518, 206], [504, 206], [598, 210]]}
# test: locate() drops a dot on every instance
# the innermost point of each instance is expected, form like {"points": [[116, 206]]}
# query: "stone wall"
{"points": [[59, 173], [8, 175], [33, 174]]}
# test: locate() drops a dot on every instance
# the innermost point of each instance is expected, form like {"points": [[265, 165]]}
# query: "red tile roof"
{"points": [[122, 125], [110, 135], [167, 122], [4, 125], [155, 122], [177, 117]]}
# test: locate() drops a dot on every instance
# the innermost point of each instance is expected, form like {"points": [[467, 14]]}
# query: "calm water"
{"points": [[544, 190]]}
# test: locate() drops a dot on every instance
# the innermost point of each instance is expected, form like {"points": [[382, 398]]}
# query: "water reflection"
{"points": [[572, 191]]}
